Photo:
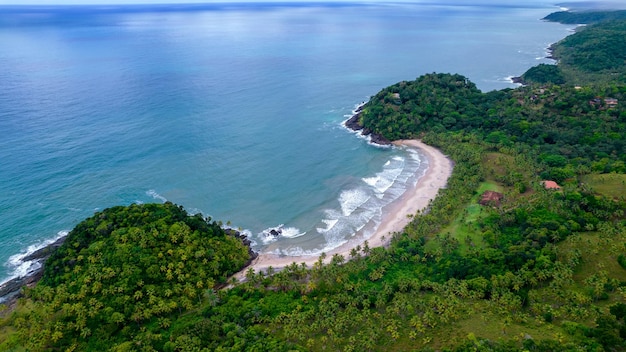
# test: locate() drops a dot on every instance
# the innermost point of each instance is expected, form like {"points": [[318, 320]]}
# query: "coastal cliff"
{"points": [[11, 289], [354, 124]]}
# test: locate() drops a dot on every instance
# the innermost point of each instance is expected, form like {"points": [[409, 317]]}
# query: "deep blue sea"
{"points": [[234, 111]]}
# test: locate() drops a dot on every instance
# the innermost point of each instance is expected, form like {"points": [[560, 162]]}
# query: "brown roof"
{"points": [[491, 198]]}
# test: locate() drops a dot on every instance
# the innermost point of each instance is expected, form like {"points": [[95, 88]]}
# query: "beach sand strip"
{"points": [[395, 217]]}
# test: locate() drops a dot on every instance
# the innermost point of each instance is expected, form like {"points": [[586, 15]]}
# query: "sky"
{"points": [[121, 2], [612, 4]]}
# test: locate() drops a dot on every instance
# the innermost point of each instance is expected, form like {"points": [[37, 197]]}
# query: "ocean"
{"points": [[231, 110]]}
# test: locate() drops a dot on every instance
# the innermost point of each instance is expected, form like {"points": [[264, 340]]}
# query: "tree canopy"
{"points": [[544, 270], [123, 274]]}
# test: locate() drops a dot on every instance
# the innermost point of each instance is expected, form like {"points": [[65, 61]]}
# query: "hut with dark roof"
{"points": [[491, 198]]}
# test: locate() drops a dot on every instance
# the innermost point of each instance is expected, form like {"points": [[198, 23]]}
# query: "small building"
{"points": [[550, 185], [491, 198], [610, 102], [595, 101], [396, 98]]}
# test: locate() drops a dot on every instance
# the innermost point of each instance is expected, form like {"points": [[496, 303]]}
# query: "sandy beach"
{"points": [[396, 215]]}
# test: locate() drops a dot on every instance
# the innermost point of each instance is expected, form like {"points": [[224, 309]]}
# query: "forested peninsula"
{"points": [[524, 250]]}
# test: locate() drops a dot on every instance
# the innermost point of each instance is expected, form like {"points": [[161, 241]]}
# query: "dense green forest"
{"points": [[580, 17], [597, 53], [570, 129], [544, 270], [122, 275]]}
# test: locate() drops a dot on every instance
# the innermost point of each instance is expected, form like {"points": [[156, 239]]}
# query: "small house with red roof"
{"points": [[550, 185]]}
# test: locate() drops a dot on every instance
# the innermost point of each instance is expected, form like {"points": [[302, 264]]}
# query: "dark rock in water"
{"points": [[354, 124], [275, 232], [11, 290], [379, 139], [375, 137]]}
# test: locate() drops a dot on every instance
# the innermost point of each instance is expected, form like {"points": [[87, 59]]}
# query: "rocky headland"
{"points": [[11, 290], [354, 124]]}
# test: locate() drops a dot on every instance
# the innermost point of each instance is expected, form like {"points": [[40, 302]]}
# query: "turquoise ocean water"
{"points": [[234, 111]]}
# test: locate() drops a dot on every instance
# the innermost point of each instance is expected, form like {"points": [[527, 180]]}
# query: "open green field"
{"points": [[463, 228], [610, 185]]}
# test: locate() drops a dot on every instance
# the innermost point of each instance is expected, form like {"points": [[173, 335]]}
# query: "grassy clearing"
{"points": [[598, 252], [494, 327], [497, 164], [463, 227], [610, 185], [598, 256]]}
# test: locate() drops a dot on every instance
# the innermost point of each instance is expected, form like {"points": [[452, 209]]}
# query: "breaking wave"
{"points": [[358, 209]]}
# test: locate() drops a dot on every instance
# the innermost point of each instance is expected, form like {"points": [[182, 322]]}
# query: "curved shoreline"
{"points": [[395, 217]]}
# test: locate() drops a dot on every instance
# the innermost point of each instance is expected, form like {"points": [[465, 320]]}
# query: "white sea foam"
{"points": [[386, 180], [249, 236], [330, 223], [299, 251], [358, 212], [383, 180], [292, 232], [194, 211], [352, 199], [152, 193], [20, 268], [267, 237], [371, 181], [367, 138]]}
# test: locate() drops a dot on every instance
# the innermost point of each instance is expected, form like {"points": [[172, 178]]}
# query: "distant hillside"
{"points": [[594, 54], [585, 17]]}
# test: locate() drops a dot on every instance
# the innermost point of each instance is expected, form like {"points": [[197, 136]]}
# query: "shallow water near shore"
{"points": [[232, 111]]}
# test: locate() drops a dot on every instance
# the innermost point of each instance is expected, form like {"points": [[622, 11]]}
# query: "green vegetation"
{"points": [[571, 131], [569, 17], [122, 276], [609, 185], [544, 73], [596, 53], [543, 271]]}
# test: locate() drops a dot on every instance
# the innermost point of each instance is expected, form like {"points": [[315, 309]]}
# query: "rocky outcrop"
{"points": [[43, 253], [244, 239], [11, 290], [518, 80], [354, 124], [275, 232]]}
